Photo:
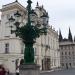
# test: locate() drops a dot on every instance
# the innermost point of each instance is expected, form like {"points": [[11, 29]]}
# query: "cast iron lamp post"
{"points": [[28, 33]]}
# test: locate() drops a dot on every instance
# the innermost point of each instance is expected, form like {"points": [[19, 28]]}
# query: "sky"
{"points": [[61, 13]]}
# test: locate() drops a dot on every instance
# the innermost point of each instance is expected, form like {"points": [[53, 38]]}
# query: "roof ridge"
{"points": [[14, 3]]}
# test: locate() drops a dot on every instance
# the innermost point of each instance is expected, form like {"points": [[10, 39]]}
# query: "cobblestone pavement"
{"points": [[60, 72]]}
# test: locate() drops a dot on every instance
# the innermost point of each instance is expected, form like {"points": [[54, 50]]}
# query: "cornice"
{"points": [[2, 55], [16, 38], [66, 43], [12, 5]]}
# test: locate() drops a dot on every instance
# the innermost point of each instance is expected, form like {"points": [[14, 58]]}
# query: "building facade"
{"points": [[67, 51], [46, 48], [67, 54]]}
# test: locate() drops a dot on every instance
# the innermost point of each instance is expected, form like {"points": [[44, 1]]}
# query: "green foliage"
{"points": [[28, 33]]}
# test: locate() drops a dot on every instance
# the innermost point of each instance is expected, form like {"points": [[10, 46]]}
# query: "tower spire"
{"points": [[60, 36], [42, 6], [70, 36], [16, 1], [74, 38], [37, 4]]}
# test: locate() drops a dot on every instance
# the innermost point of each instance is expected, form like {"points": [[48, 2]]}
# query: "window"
{"points": [[74, 63], [69, 47], [61, 47], [72, 47], [69, 57], [62, 64], [64, 47], [66, 65], [62, 53], [72, 52], [69, 53], [65, 53], [70, 64], [7, 48]]}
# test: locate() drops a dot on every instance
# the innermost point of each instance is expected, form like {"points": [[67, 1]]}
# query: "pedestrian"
{"points": [[7, 72], [2, 70], [17, 71]]}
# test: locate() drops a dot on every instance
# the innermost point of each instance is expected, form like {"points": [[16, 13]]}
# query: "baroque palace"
{"points": [[46, 48]]}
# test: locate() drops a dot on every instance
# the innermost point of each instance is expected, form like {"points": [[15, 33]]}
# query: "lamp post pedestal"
{"points": [[29, 69]]}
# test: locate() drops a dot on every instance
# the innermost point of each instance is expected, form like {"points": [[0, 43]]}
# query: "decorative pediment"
{"points": [[13, 5]]}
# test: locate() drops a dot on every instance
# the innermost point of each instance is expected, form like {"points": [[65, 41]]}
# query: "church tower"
{"points": [[70, 36], [60, 36]]}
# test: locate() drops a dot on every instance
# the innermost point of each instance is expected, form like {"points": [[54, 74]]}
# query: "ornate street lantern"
{"points": [[33, 17], [11, 19], [17, 18], [28, 33], [45, 18], [17, 14]]}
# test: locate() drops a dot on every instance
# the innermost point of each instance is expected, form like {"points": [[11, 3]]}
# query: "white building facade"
{"points": [[46, 48]]}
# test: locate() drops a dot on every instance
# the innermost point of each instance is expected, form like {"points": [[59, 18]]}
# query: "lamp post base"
{"points": [[29, 69]]}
